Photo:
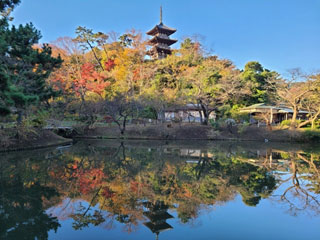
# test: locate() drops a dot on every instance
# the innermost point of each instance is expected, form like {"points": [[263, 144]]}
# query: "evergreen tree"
{"points": [[257, 78], [23, 67]]}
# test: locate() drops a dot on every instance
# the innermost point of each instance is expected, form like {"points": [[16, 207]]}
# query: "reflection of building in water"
{"points": [[271, 159], [188, 152], [195, 153], [192, 156], [157, 215]]}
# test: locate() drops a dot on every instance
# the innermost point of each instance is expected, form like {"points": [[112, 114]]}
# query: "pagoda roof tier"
{"points": [[157, 228], [158, 216], [160, 39], [161, 28], [158, 49]]}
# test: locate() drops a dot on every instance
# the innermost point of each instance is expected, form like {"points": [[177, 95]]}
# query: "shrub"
{"points": [[287, 123], [5, 139], [214, 124], [218, 124], [25, 130], [317, 124], [149, 112], [233, 112], [239, 116], [242, 127], [39, 119], [311, 135]]}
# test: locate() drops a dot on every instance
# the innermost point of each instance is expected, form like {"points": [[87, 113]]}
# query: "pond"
{"points": [[102, 189]]}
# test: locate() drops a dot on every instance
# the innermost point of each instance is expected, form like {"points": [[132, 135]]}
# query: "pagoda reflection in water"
{"points": [[157, 215]]}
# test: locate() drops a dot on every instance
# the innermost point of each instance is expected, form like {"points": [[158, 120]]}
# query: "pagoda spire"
{"points": [[160, 14]]}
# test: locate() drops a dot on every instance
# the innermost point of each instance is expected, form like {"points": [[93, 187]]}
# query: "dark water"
{"points": [[149, 190]]}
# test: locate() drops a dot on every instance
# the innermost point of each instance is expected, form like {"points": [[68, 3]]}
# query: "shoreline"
{"points": [[17, 149], [201, 132], [36, 140], [179, 139], [48, 138]]}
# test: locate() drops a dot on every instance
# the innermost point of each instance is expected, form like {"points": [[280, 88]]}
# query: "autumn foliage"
{"points": [[90, 80]]}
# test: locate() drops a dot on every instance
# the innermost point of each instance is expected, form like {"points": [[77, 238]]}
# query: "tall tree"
{"points": [[257, 78], [90, 40], [211, 84], [311, 101], [5, 4], [294, 92], [24, 68]]}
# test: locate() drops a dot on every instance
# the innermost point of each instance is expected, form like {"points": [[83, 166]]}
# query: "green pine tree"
{"points": [[23, 68]]}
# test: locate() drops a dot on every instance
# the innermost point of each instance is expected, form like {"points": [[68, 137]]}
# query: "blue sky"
{"points": [[280, 34]]}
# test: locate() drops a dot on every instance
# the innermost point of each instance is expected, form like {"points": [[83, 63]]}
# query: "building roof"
{"points": [[262, 107], [161, 28], [160, 39], [156, 216], [187, 107], [157, 228]]}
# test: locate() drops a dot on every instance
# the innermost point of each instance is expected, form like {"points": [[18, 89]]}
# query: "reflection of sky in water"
{"points": [[293, 215], [270, 219], [232, 220]]}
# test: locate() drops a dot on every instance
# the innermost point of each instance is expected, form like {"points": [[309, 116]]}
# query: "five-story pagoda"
{"points": [[160, 42]]}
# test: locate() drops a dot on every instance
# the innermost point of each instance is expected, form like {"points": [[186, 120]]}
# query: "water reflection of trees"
{"points": [[22, 197], [114, 182], [301, 193]]}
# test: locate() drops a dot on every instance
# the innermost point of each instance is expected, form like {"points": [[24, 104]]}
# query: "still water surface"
{"points": [[161, 190]]}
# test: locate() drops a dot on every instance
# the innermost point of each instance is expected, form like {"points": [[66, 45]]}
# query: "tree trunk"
{"points": [[123, 125], [20, 117], [161, 116], [82, 102], [294, 117], [271, 116], [205, 121], [205, 114], [95, 55], [200, 114], [311, 120], [269, 121]]}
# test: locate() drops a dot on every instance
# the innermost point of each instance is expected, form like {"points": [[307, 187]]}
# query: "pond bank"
{"points": [[189, 132], [33, 140], [198, 132]]}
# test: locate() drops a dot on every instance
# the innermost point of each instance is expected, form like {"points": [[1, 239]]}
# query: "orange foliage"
{"points": [[90, 180], [109, 65], [107, 192], [90, 80]]}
